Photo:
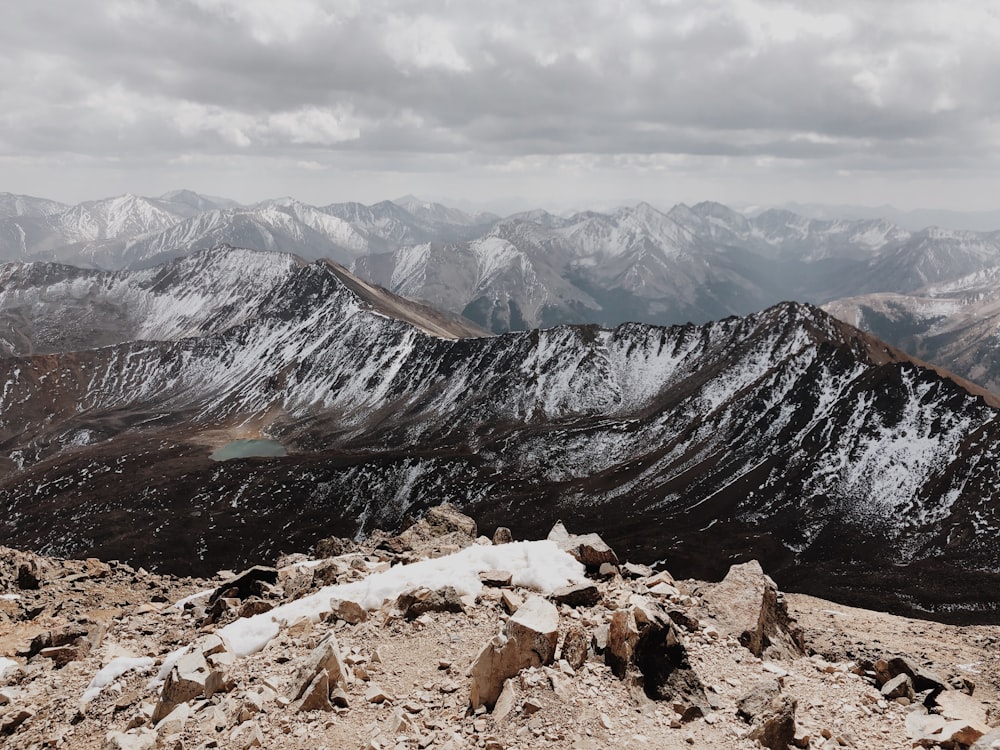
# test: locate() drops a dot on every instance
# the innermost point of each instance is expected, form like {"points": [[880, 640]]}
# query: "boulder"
{"points": [[185, 681], [245, 736], [756, 701], [589, 549], [334, 546], [770, 714], [623, 634], [502, 535], [575, 645], [635, 570], [316, 696], [529, 640], [645, 646], [900, 686], [324, 658], [442, 525], [747, 604], [175, 721], [922, 677], [242, 586], [955, 705], [506, 702], [420, 601], [577, 595], [348, 611]]}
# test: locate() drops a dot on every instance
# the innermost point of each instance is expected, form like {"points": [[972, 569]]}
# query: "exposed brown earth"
{"points": [[651, 662]]}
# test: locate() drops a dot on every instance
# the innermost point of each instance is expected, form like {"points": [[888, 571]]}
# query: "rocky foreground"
{"points": [[568, 648]]}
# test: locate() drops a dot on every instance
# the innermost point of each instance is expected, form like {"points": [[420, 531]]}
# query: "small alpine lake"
{"points": [[256, 448]]}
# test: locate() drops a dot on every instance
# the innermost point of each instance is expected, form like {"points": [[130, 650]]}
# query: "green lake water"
{"points": [[248, 449]]}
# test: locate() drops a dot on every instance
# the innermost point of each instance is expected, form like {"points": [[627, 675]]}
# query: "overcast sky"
{"points": [[561, 103]]}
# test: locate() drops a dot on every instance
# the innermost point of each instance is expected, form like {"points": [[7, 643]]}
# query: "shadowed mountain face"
{"points": [[849, 469]]}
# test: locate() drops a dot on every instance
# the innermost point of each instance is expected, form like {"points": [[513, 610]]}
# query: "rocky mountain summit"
{"points": [[440, 638]]}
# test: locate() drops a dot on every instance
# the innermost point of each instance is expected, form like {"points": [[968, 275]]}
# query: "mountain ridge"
{"points": [[698, 436]]}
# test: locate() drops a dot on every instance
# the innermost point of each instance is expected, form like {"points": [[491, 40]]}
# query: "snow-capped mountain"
{"points": [[691, 263], [784, 435], [953, 323], [12, 205]]}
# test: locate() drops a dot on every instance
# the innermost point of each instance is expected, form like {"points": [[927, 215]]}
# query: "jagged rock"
{"points": [[348, 611], [245, 736], [578, 595], [634, 570], [755, 702], [649, 650], [575, 645], [505, 702], [923, 678], [324, 658], [134, 739], [770, 714], [589, 549], [254, 606], [900, 686], [442, 525], [334, 546], [175, 721], [223, 608], [12, 718], [415, 603], [931, 730], [529, 640], [747, 604], [242, 586], [510, 601], [63, 655], [502, 535], [316, 696], [185, 681], [623, 634], [375, 694], [328, 572]]}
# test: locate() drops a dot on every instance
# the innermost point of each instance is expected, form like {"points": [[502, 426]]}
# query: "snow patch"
{"points": [[115, 669], [6, 664], [540, 565]]}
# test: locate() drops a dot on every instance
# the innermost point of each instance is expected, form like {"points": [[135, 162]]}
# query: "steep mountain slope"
{"points": [[85, 232], [955, 323], [785, 435], [12, 205]]}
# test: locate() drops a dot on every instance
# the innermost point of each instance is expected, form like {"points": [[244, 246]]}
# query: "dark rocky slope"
{"points": [[847, 468]]}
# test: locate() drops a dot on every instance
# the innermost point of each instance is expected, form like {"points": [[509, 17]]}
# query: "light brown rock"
{"points": [[348, 611], [324, 658], [747, 604], [529, 640]]}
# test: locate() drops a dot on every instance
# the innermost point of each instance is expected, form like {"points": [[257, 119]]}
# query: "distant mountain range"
{"points": [[785, 435], [636, 264]]}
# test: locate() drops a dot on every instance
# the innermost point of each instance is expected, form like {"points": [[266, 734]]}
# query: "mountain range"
{"points": [[849, 468], [635, 264]]}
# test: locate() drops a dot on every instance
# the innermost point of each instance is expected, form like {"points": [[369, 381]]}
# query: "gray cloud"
{"points": [[381, 89]]}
